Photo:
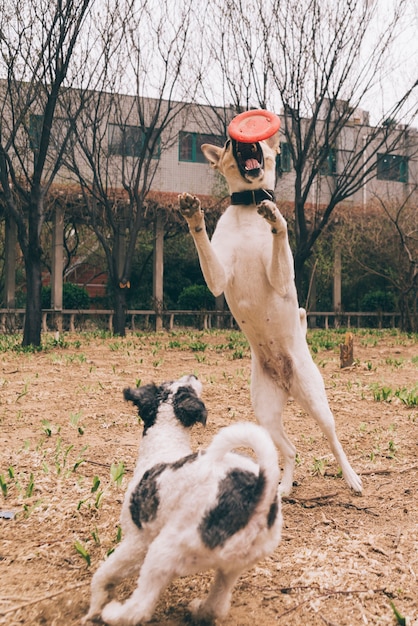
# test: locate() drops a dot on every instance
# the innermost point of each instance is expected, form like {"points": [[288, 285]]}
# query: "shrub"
{"points": [[73, 297], [378, 301], [196, 298]]}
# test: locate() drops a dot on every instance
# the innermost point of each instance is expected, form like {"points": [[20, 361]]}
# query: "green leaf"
{"points": [[399, 618], [96, 484], [82, 552], [117, 472]]}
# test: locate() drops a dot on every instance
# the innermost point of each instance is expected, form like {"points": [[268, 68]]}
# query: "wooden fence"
{"points": [[12, 320]]}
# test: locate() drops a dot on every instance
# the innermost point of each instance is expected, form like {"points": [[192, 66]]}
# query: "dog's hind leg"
{"points": [[157, 571], [309, 391], [218, 601], [269, 399], [123, 562]]}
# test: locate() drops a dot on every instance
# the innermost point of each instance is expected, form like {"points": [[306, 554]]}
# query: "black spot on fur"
{"points": [[186, 459], [144, 498], [274, 509], [238, 495], [188, 407]]}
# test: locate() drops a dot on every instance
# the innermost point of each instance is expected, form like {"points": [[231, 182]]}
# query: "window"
{"points": [[392, 167], [190, 145], [126, 140], [284, 159], [329, 166]]}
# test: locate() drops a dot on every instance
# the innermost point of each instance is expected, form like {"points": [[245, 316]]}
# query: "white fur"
{"points": [[250, 260], [171, 545]]}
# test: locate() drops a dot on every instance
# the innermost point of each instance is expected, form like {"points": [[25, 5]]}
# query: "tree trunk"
{"points": [[33, 317], [119, 320], [299, 261], [32, 253]]}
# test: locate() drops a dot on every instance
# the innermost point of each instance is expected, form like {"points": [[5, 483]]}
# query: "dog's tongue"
{"points": [[252, 164]]}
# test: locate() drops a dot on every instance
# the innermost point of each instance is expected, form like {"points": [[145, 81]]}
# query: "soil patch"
{"points": [[68, 444]]}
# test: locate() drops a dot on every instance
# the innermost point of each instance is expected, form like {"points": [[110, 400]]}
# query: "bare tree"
{"points": [[318, 60], [37, 44], [384, 243], [126, 126]]}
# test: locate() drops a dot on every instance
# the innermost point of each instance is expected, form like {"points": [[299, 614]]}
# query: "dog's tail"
{"points": [[258, 439]]}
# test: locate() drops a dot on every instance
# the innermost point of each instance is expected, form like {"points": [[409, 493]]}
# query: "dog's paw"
{"points": [[272, 215], [354, 481], [112, 614], [90, 618], [198, 612], [191, 210]]}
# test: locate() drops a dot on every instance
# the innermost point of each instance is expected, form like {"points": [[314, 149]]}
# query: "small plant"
{"points": [[96, 484], [115, 346], [399, 618], [394, 362], [198, 346], [30, 487], [82, 552], [74, 419], [47, 427], [24, 392], [408, 397], [382, 394], [75, 358], [3, 486], [319, 467], [392, 448], [117, 472]]}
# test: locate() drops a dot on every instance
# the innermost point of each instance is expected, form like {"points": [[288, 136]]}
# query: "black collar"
{"points": [[252, 196]]}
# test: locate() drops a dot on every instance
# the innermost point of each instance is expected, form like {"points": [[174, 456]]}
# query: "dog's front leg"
{"points": [[212, 269], [281, 273]]}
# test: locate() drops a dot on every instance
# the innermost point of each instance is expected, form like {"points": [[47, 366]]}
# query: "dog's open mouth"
{"points": [[249, 157]]}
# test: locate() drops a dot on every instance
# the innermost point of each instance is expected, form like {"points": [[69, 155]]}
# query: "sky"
{"points": [[404, 69]]}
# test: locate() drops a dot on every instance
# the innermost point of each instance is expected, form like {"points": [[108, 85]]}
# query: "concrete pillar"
{"points": [[57, 266], [57, 259]]}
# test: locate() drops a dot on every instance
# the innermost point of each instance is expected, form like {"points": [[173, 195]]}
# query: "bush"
{"points": [[73, 297], [196, 298], [378, 301]]}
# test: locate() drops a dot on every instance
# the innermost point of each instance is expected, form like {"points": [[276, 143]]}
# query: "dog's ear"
{"points": [[146, 399], [212, 154], [274, 142], [188, 408]]}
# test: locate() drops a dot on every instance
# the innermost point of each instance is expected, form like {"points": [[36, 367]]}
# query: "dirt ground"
{"points": [[68, 444]]}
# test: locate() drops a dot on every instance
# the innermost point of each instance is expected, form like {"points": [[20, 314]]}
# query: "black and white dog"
{"points": [[184, 512]]}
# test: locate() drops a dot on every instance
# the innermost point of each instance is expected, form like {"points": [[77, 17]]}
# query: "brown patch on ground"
{"points": [[342, 559]]}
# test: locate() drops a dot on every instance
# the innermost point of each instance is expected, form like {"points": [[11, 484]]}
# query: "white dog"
{"points": [[184, 513], [250, 260]]}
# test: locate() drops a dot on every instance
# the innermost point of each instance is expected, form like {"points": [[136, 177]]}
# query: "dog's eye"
{"points": [[254, 147]]}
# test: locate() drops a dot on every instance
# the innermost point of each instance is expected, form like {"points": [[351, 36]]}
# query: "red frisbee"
{"points": [[253, 126]]}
